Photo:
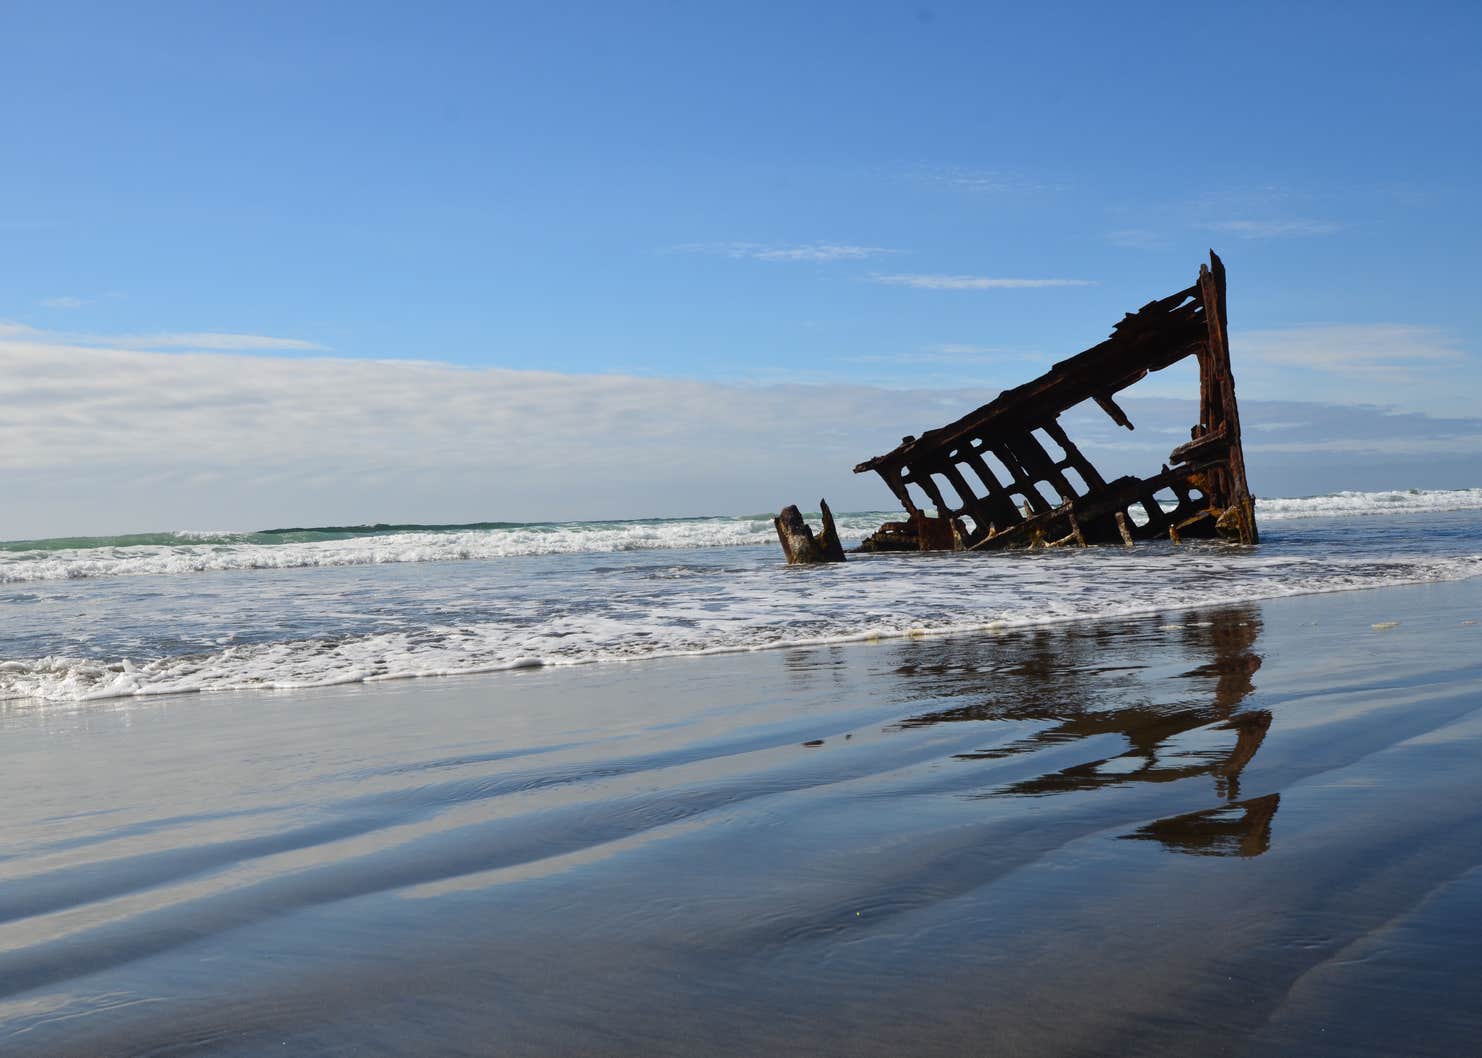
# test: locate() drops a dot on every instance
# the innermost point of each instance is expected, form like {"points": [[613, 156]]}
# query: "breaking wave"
{"points": [[200, 552], [191, 552], [645, 607], [1347, 504]]}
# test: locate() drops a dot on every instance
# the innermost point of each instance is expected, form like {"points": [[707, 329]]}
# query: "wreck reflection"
{"points": [[1086, 683], [1242, 828]]}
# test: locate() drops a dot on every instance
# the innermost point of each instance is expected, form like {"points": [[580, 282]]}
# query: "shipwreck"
{"points": [[1040, 490]]}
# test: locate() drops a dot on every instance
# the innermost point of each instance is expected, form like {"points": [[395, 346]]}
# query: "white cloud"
{"points": [[64, 302], [947, 282], [105, 438], [1137, 239], [205, 341], [1383, 351], [1249, 212], [69, 404], [213, 341], [959, 349], [1405, 366], [1274, 229], [815, 252], [1332, 435], [981, 181], [1446, 444], [947, 353]]}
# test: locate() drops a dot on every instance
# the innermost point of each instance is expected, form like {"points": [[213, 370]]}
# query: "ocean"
{"points": [[279, 609]]}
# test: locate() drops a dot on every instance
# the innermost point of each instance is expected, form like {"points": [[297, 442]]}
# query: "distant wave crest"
{"points": [[1346, 504], [190, 551]]}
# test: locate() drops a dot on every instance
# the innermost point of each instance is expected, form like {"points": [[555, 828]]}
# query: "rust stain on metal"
{"points": [[1044, 491]]}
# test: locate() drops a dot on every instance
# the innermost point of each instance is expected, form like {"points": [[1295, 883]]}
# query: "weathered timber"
{"points": [[1020, 432], [798, 542]]}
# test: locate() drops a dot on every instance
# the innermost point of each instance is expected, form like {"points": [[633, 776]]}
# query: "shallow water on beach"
{"points": [[147, 618], [1249, 828]]}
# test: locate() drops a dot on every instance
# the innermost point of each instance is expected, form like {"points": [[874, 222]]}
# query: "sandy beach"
{"points": [[1240, 830]]}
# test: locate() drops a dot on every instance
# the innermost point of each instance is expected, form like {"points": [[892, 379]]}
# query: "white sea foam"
{"points": [[196, 555], [1348, 504], [199, 552], [644, 611]]}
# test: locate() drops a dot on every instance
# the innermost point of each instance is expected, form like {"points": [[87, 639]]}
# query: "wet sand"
{"points": [[1251, 830]]}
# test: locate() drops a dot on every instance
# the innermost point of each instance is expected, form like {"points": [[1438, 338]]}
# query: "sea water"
{"points": [[190, 611]]}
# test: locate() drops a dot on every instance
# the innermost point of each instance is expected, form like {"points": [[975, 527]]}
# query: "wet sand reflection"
{"points": [[1061, 678]]}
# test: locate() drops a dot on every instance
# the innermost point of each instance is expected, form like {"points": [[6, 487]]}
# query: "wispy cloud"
{"points": [[815, 252], [1382, 350], [1137, 239], [214, 341], [1409, 366], [1274, 229], [954, 282], [1441, 445], [1251, 212], [948, 353], [1287, 428], [202, 341], [74, 301], [980, 181], [962, 349]]}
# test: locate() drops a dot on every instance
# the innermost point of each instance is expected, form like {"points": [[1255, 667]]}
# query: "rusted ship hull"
{"points": [[1036, 460], [1040, 490]]}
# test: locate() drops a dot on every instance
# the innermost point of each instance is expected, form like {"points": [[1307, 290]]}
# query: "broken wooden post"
{"points": [[798, 542]]}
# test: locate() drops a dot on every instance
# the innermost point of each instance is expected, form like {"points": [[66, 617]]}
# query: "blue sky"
{"points": [[893, 195]]}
